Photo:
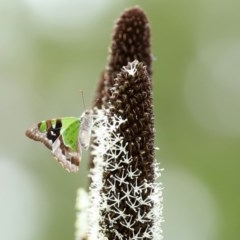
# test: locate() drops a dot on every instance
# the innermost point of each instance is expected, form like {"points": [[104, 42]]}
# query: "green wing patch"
{"points": [[70, 131]]}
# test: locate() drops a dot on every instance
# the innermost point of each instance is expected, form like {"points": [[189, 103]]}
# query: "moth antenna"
{"points": [[83, 99]]}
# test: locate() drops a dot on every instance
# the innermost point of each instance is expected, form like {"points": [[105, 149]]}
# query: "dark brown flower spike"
{"points": [[125, 199], [130, 41], [131, 99]]}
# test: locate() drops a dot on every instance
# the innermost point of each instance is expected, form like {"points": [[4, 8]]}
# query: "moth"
{"points": [[65, 137]]}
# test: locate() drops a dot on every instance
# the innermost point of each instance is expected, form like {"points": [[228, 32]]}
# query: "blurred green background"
{"points": [[50, 49]]}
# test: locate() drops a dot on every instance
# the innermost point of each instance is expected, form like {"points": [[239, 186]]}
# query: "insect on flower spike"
{"points": [[65, 137]]}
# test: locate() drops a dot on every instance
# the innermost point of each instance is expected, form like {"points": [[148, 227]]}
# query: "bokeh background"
{"points": [[51, 49]]}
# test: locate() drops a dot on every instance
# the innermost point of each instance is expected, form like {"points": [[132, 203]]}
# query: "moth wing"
{"points": [[55, 134], [66, 148], [45, 132]]}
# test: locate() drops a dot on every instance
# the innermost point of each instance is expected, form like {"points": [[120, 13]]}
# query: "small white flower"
{"points": [[131, 67]]}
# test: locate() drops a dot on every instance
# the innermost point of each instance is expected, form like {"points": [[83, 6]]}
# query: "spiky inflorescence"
{"points": [[131, 207], [125, 198], [130, 41]]}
